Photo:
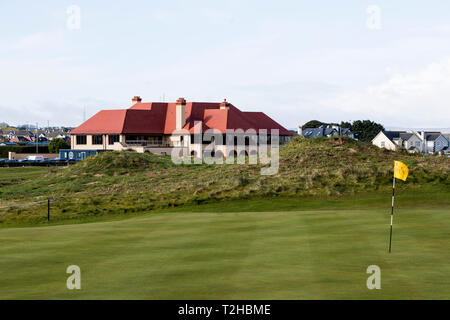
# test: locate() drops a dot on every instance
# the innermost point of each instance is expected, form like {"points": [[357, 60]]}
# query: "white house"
{"points": [[424, 142], [388, 140]]}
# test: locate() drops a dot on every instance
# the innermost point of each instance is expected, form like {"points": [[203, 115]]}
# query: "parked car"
{"points": [[36, 158]]}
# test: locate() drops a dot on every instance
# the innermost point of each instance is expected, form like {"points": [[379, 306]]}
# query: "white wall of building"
{"points": [[381, 141]]}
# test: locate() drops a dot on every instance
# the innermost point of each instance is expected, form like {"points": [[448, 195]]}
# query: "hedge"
{"points": [[21, 149]]}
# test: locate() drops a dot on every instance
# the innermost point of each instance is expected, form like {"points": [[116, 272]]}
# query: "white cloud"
{"points": [[419, 98]]}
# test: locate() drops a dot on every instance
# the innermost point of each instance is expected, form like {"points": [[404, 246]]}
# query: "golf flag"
{"points": [[400, 170]]}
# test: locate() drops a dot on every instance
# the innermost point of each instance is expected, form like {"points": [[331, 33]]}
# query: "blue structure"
{"points": [[70, 154]]}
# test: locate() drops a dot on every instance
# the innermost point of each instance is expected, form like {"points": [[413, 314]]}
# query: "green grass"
{"points": [[310, 254], [127, 183], [16, 175], [225, 231]]}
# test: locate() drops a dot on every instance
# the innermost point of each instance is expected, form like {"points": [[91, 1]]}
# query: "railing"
{"points": [[147, 143]]}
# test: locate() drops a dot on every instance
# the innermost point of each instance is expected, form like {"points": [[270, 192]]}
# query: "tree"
{"points": [[317, 124], [365, 130], [346, 124], [313, 124], [56, 144]]}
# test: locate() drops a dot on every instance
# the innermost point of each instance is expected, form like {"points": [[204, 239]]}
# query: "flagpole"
{"points": [[392, 212]]}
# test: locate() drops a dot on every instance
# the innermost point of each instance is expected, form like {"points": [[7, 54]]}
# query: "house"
{"points": [[410, 141], [159, 127], [424, 142], [347, 133], [57, 134], [9, 134], [435, 142], [22, 136], [397, 140], [322, 131], [319, 132], [388, 140]]}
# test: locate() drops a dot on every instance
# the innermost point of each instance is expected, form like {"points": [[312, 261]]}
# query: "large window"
{"points": [[113, 138], [97, 139], [81, 139]]}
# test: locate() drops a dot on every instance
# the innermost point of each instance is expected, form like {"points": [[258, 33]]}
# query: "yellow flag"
{"points": [[400, 170]]}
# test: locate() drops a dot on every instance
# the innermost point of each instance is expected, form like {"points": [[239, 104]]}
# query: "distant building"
{"points": [[22, 136], [423, 142], [57, 134], [322, 131], [410, 141], [435, 142], [388, 140], [159, 127]]}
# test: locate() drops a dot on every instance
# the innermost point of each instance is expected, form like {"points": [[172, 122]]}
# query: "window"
{"points": [[81, 139], [418, 144], [382, 144], [113, 138], [97, 139]]}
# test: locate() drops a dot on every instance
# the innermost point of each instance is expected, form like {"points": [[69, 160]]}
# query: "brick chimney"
{"points": [[224, 105], [136, 99], [180, 113]]}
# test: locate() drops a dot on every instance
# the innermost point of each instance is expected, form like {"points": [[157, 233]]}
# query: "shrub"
{"points": [[56, 144]]}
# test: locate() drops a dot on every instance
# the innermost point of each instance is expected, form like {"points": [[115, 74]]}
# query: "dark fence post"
{"points": [[48, 209]]}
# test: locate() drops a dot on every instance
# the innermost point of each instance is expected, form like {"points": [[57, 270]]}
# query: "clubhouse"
{"points": [[159, 127]]}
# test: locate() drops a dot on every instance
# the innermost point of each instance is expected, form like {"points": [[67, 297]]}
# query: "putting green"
{"points": [[320, 254]]}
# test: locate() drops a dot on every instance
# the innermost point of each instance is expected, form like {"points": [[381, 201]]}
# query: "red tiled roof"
{"points": [[105, 121], [160, 118]]}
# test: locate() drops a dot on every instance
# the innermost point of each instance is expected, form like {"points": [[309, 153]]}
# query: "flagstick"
{"points": [[392, 213]]}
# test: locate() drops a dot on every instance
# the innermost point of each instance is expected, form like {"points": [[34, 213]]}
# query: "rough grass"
{"points": [[127, 183]]}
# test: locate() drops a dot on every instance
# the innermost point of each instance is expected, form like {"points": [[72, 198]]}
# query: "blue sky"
{"points": [[294, 60]]}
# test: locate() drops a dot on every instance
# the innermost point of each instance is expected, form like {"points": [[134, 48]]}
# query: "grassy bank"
{"points": [[127, 183]]}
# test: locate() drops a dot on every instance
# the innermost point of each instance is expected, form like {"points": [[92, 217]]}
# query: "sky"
{"points": [[387, 61]]}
